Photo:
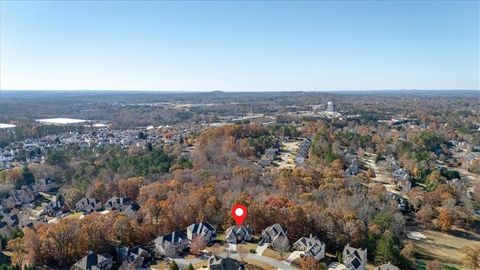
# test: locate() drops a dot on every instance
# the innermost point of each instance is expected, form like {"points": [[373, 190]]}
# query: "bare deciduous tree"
{"points": [[434, 265], [472, 257], [282, 246], [197, 245]]}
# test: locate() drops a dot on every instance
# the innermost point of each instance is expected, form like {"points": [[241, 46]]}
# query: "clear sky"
{"points": [[239, 45]]}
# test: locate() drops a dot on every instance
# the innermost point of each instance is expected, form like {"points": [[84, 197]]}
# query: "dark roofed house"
{"points": [[28, 222], [131, 210], [88, 205], [124, 205], [55, 208], [171, 244], [312, 246], [271, 153], [273, 233], [139, 256], [45, 185], [117, 203], [204, 229], [11, 220], [238, 234], [354, 258], [93, 261], [400, 174], [12, 202], [219, 263], [352, 170], [4, 229], [302, 151], [265, 162], [18, 197]]}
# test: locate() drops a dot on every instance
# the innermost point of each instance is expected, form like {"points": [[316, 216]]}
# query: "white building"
{"points": [[330, 107]]}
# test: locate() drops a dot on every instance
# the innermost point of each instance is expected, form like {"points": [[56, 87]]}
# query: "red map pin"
{"points": [[239, 213]]}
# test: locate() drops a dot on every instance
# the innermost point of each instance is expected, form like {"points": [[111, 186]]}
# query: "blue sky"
{"points": [[239, 45]]}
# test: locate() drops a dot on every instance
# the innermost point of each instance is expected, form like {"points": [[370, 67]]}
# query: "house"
{"points": [[93, 261], [350, 156], [238, 234], [6, 157], [12, 202], [400, 174], [55, 209], [302, 151], [18, 197], [265, 162], [204, 229], [273, 233], [171, 244], [269, 157], [405, 184], [131, 210], [401, 202], [11, 219], [312, 246], [139, 256], [352, 169], [354, 258], [304, 146], [5, 231], [27, 193], [123, 204], [28, 222], [117, 203], [271, 153], [45, 185], [299, 160], [220, 263], [387, 266], [88, 205]]}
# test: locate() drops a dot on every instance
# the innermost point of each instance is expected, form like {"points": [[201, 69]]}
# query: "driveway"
{"points": [[261, 248], [252, 257], [293, 256], [268, 260]]}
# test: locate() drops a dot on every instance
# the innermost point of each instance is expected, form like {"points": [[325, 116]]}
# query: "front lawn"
{"points": [[274, 254]]}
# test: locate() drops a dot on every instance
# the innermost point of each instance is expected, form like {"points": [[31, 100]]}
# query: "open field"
{"points": [[446, 247]]}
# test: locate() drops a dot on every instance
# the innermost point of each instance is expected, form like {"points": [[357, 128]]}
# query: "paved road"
{"points": [[268, 260], [380, 177], [291, 149], [261, 248], [252, 257]]}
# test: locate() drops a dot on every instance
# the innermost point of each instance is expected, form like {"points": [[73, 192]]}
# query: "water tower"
{"points": [[330, 107]]}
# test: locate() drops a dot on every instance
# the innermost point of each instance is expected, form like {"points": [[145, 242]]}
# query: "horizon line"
{"points": [[228, 91]]}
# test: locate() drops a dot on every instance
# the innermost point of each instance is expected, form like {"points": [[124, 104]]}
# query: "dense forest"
{"points": [[176, 190]]}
